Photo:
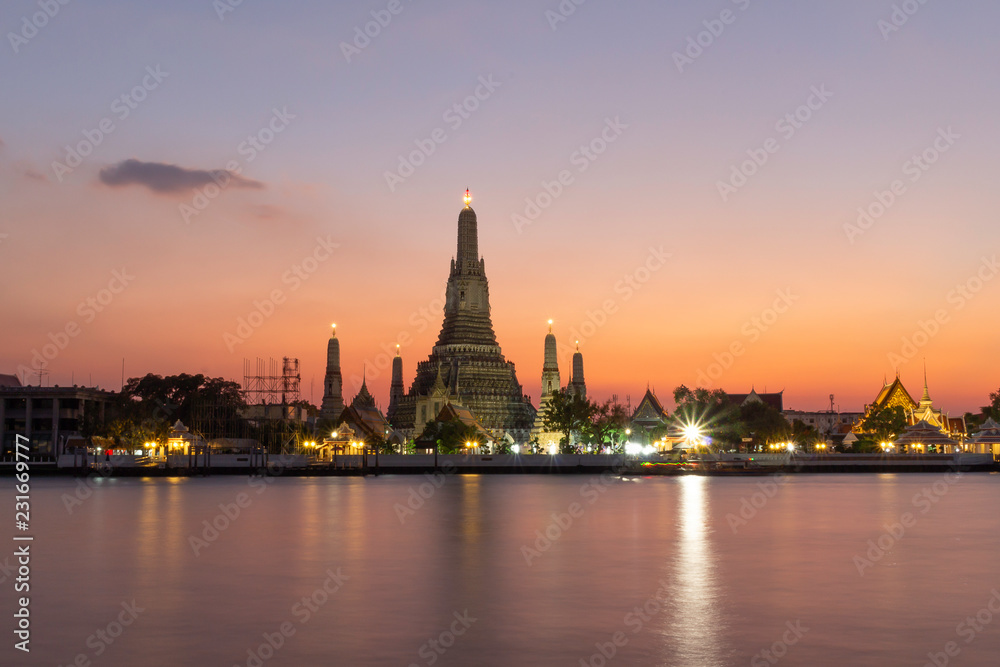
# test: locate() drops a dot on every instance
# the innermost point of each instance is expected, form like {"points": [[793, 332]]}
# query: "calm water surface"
{"points": [[668, 567]]}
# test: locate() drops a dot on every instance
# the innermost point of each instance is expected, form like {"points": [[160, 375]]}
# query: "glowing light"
{"points": [[516, 449], [467, 199], [791, 446], [633, 449], [692, 433], [553, 450]]}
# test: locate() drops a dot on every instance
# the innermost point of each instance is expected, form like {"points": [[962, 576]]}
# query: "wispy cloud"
{"points": [[33, 174], [168, 178]]}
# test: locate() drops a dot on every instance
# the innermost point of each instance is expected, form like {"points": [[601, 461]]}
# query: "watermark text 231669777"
{"points": [[22, 517]]}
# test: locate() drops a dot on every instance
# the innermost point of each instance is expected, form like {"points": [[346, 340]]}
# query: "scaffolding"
{"points": [[269, 384]]}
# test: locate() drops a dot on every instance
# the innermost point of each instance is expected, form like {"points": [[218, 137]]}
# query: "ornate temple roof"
{"points": [[775, 400], [454, 412], [649, 409], [923, 433], [364, 399], [894, 394], [988, 434]]}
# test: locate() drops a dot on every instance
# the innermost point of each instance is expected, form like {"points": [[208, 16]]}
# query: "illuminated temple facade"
{"points": [[467, 367], [550, 385], [895, 394]]}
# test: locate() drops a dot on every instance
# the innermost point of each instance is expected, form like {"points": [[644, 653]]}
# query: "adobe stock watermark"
{"points": [[247, 150], [779, 649], [958, 297], [212, 528], [592, 491], [787, 127], [432, 650], [223, 7], [420, 494], [752, 505], [103, 638], [88, 309], [752, 330], [419, 320], [121, 108], [562, 12], [85, 487], [454, 116], [581, 158], [714, 28], [967, 630], [363, 35], [31, 25], [924, 500], [635, 620], [625, 288], [294, 277], [913, 170], [301, 612], [900, 16]]}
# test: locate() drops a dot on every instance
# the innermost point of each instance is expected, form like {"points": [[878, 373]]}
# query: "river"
{"points": [[510, 570]]}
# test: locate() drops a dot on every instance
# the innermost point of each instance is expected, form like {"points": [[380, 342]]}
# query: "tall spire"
{"points": [[396, 389], [578, 383], [467, 296], [467, 257], [333, 398], [550, 366], [926, 398]]}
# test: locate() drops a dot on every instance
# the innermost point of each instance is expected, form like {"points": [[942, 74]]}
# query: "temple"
{"points": [[467, 367], [895, 394], [550, 385], [333, 396], [577, 385]]}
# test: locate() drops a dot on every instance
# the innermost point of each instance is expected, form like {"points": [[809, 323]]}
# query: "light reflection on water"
{"points": [[697, 627], [729, 593]]}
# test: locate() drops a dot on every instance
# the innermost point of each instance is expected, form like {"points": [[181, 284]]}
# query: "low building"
{"points": [[648, 418], [456, 413], [48, 416], [775, 400], [894, 394], [828, 423]]}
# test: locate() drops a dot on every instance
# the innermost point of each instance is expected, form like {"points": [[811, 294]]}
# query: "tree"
{"points": [[567, 413], [710, 410], [451, 436], [763, 422], [148, 406], [608, 424], [884, 424], [381, 444], [993, 409], [805, 434]]}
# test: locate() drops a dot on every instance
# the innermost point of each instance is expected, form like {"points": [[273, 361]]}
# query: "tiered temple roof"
{"points": [[467, 361]]}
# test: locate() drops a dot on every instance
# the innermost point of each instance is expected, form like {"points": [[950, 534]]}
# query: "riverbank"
{"points": [[505, 464]]}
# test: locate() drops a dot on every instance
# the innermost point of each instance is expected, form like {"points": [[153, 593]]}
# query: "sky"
{"points": [[733, 194]]}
